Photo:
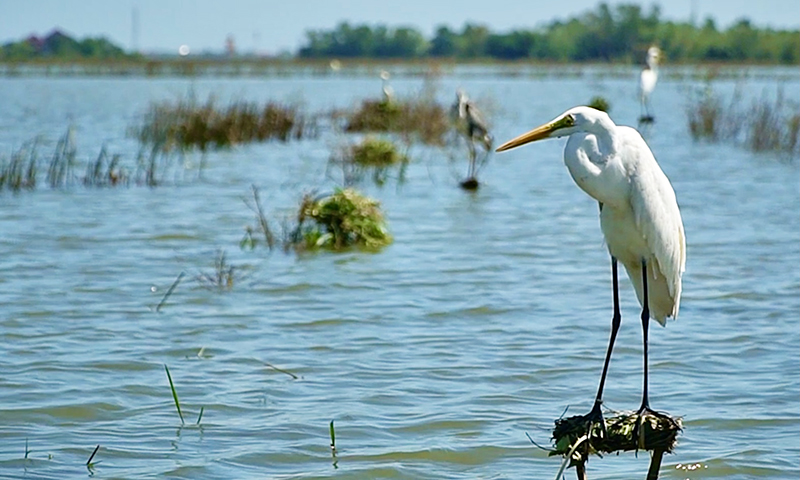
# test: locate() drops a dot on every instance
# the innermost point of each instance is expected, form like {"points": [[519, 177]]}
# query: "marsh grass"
{"points": [[769, 123], [189, 124], [339, 221], [105, 172], [262, 224], [19, 171], [22, 169], [60, 172], [223, 276]]}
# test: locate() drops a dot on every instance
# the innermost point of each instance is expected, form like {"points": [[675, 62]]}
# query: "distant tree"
{"points": [[445, 43]]}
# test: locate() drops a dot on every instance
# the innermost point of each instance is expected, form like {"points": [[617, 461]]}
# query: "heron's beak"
{"points": [[537, 133]]}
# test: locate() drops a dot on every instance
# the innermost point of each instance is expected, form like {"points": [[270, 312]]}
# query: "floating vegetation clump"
{"points": [[659, 432], [376, 152], [374, 155], [421, 119], [769, 124], [187, 124], [375, 116], [338, 221]]}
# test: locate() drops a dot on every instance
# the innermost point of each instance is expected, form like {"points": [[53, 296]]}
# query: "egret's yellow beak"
{"points": [[537, 133]]}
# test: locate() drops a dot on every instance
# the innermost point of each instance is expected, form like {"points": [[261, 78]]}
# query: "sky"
{"points": [[275, 26]]}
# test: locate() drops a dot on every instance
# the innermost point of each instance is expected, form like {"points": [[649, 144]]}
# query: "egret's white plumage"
{"points": [[648, 78], [639, 214]]}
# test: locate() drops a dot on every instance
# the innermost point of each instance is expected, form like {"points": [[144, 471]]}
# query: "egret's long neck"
{"points": [[591, 158]]}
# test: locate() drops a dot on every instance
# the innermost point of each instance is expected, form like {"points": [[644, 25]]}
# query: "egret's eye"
{"points": [[570, 120]]}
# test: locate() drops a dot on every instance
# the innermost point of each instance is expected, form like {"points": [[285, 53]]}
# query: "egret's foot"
{"points": [[595, 424], [641, 415], [470, 184]]}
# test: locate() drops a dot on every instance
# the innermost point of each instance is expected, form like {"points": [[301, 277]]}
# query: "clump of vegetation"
{"points": [[374, 155], [376, 152], [767, 125], [375, 116], [187, 124], [600, 103], [422, 119], [338, 221]]}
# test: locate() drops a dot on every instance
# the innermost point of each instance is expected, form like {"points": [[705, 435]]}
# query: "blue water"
{"points": [[486, 318]]}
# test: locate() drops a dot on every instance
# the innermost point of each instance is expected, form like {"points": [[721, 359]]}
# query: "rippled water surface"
{"points": [[485, 319]]}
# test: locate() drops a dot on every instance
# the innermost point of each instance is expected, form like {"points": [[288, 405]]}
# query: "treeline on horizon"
{"points": [[606, 34]]}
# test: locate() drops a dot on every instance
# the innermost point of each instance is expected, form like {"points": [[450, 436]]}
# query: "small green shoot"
{"points": [[333, 440], [200, 417], [333, 447], [174, 394]]}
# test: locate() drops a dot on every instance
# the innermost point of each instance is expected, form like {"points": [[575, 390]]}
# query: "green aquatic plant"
{"points": [[177, 402], [174, 394], [343, 219]]}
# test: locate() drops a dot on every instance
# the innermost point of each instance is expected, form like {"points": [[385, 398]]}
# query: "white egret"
{"points": [[388, 91], [647, 82], [639, 216]]}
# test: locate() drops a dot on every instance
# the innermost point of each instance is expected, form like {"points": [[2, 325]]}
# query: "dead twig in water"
{"points": [[169, 291]]}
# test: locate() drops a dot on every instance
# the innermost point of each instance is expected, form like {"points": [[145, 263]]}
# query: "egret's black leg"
{"points": [[645, 330], [644, 409], [615, 323], [596, 415]]}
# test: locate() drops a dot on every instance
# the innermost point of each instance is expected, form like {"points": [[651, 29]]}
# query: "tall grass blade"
{"points": [[174, 395]]}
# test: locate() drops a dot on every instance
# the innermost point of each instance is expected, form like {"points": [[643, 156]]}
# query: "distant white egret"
{"points": [[639, 216], [470, 123], [388, 91], [647, 82]]}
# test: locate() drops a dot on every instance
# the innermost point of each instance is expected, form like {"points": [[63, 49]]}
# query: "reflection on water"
{"points": [[483, 321]]}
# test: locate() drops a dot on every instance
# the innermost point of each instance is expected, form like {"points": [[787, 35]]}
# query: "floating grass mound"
{"points": [[187, 124], [375, 116], [421, 119], [659, 432], [341, 220], [376, 152]]}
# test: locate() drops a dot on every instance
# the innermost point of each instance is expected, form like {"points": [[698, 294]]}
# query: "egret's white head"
{"points": [[574, 120], [653, 56]]}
